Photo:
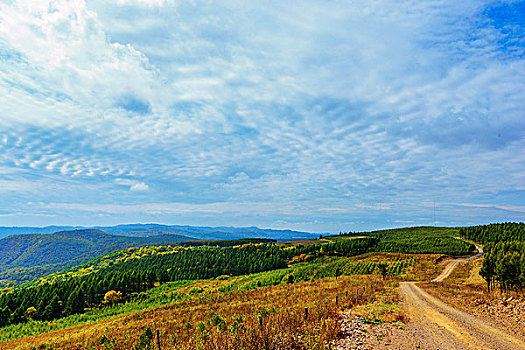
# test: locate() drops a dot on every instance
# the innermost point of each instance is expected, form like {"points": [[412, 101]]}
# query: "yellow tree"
{"points": [[112, 297]]}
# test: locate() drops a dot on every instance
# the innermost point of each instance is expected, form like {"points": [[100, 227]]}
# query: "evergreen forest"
{"points": [[504, 261]]}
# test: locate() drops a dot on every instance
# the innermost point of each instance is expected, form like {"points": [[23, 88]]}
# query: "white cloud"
{"points": [[141, 186], [513, 208], [133, 184], [324, 109]]}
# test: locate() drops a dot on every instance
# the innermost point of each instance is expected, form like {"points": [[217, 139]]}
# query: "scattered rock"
{"points": [[361, 335]]}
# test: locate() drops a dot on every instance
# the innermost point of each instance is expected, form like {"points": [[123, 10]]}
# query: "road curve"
{"points": [[452, 265], [436, 325]]}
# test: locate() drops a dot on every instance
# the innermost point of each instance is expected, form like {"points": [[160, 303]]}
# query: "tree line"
{"points": [[427, 245], [226, 242], [504, 264], [508, 231]]}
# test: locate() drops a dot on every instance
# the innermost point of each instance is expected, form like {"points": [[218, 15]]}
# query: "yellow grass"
{"points": [[474, 278], [223, 313]]}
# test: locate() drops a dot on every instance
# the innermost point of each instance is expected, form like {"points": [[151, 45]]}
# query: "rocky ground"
{"points": [[506, 313], [359, 334]]}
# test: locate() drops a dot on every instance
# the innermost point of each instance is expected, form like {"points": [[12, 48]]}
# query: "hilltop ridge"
{"points": [[147, 230]]}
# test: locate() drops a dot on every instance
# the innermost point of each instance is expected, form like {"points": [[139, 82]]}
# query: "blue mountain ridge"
{"points": [[148, 230]]}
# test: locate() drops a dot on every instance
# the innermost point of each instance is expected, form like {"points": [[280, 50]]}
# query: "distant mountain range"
{"points": [[149, 230]]}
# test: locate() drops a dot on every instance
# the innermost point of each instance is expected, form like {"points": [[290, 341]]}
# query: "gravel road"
{"points": [[433, 325], [452, 265], [436, 325]]}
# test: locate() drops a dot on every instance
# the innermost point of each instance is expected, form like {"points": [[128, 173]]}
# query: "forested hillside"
{"points": [[504, 232], [129, 254], [504, 261], [125, 279], [418, 240], [25, 257], [38, 250], [127, 273]]}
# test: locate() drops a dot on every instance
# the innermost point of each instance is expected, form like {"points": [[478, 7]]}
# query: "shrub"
{"points": [[112, 297], [144, 341]]}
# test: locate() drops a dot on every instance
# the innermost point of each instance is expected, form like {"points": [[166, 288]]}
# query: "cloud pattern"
{"points": [[316, 116]]}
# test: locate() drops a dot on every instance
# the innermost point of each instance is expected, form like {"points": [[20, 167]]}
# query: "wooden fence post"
{"points": [[158, 339]]}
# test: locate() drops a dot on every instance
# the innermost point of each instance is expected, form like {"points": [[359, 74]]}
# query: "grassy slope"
{"points": [[172, 306]]}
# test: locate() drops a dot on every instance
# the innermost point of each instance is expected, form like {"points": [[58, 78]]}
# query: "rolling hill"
{"points": [[28, 253], [27, 256]]}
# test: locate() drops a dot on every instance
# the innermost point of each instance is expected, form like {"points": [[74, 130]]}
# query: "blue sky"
{"points": [[324, 116]]}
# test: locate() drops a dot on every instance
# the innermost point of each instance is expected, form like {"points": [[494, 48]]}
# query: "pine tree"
{"points": [[53, 309], [5, 316], [75, 303]]}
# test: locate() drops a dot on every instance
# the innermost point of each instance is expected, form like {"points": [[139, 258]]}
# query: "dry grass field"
{"points": [[224, 313]]}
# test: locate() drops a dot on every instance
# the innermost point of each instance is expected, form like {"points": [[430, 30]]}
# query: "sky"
{"points": [[323, 116]]}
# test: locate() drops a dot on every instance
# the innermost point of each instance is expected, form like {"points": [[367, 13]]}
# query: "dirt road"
{"points": [[436, 325], [452, 265]]}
